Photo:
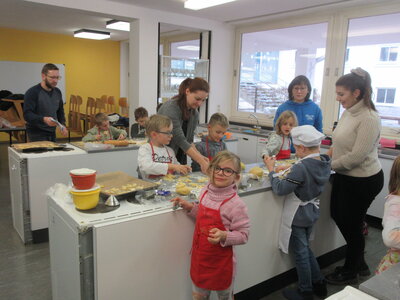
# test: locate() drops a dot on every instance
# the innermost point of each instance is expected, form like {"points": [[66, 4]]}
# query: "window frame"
{"points": [[336, 44]]}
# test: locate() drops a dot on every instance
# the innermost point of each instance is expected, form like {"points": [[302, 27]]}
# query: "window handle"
{"points": [[327, 72], [336, 72]]}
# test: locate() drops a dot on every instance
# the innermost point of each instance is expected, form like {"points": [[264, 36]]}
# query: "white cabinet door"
{"points": [[377, 206], [261, 142], [247, 148], [17, 201]]}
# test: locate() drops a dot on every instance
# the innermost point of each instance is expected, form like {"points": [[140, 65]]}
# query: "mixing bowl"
{"points": [[86, 199]]}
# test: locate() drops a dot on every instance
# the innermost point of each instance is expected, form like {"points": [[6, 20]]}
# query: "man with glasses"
{"points": [[43, 106]]}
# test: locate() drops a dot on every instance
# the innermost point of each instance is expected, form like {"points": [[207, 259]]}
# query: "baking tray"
{"points": [[120, 184], [41, 146]]}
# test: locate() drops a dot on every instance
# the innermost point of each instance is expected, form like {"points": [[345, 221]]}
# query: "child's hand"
{"points": [[216, 236], [179, 202], [270, 162], [395, 236], [98, 137], [282, 167], [121, 136], [183, 169]]}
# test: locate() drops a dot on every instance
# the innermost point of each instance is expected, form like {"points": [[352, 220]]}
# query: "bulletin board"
{"points": [[18, 77]]}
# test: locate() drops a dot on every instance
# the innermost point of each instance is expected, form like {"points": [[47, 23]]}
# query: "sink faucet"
{"points": [[258, 123]]}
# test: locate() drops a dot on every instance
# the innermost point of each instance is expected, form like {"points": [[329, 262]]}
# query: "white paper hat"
{"points": [[306, 135]]}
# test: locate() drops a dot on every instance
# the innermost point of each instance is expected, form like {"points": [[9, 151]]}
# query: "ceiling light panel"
{"points": [[200, 4], [118, 25], [91, 34]]}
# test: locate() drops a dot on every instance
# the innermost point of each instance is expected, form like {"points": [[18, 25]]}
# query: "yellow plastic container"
{"points": [[86, 199]]}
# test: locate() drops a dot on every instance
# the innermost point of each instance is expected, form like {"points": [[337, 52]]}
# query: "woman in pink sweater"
{"points": [[221, 222]]}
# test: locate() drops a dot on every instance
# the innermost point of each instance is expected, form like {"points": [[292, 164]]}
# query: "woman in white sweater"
{"points": [[359, 176]]}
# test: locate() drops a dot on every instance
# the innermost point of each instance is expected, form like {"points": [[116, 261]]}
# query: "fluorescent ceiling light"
{"points": [[118, 25], [189, 48], [200, 4], [91, 34]]}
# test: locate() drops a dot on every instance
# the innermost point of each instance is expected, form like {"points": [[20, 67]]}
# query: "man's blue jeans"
{"points": [[307, 266]]}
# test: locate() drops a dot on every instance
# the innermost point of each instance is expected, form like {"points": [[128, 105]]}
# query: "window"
{"points": [[271, 59], [388, 54], [385, 95], [365, 40]]}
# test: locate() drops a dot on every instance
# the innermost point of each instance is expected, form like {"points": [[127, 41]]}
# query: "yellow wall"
{"points": [[92, 68]]}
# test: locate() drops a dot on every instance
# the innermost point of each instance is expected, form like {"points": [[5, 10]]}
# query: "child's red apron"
{"points": [[211, 265], [283, 154]]}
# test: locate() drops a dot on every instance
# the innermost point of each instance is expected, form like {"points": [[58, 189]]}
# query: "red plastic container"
{"points": [[83, 179]]}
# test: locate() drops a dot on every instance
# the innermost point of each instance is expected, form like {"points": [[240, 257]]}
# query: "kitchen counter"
{"points": [[31, 174], [93, 149], [141, 251]]}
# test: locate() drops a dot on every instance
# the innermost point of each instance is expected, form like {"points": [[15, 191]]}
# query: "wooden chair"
{"points": [[15, 116], [110, 107], [123, 107], [100, 105], [90, 113], [75, 116], [72, 103]]}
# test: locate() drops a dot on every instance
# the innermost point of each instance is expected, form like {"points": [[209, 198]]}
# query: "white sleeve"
{"points": [[273, 146], [391, 224], [146, 164]]}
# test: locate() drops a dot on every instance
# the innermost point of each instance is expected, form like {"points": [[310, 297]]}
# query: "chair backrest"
{"points": [[100, 105], [110, 107], [123, 106], [72, 101]]}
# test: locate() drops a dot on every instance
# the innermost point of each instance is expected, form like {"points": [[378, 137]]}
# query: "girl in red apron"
{"points": [[221, 223], [279, 142], [155, 158]]}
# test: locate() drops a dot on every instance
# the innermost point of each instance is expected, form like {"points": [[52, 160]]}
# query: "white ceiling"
{"points": [[24, 15]]}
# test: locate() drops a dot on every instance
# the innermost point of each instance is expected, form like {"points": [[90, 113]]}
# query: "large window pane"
{"points": [[373, 44], [271, 59]]}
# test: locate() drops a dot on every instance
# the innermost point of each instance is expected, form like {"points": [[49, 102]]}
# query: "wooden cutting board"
{"points": [[32, 145], [119, 183]]}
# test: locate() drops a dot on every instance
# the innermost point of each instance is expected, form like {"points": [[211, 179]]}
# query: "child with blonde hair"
{"points": [[102, 131], [155, 158], [391, 220], [279, 143], [221, 223]]}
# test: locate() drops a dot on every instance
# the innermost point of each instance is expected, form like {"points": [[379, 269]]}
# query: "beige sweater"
{"points": [[355, 142]]}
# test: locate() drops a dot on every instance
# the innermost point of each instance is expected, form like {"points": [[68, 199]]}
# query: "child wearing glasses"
{"points": [[155, 158], [302, 184], [212, 143], [221, 223], [102, 131]]}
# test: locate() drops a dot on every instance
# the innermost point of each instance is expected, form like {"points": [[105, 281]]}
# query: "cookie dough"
{"points": [[256, 171]]}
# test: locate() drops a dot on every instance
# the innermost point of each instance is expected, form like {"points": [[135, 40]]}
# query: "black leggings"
{"points": [[350, 200]]}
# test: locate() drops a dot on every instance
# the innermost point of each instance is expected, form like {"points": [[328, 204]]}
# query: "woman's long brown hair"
{"points": [[194, 85], [394, 181]]}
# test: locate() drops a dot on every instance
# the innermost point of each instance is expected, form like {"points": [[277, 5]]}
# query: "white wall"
{"points": [[142, 83]]}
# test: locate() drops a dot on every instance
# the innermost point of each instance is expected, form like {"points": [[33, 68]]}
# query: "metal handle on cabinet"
{"points": [[13, 167], [246, 139]]}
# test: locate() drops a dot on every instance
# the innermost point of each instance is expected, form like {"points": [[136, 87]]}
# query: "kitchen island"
{"points": [[142, 251], [31, 174]]}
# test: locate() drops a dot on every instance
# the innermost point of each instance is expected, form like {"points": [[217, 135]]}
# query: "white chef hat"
{"points": [[306, 135]]}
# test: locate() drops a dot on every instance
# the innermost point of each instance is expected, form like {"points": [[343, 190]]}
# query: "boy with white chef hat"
{"points": [[302, 183]]}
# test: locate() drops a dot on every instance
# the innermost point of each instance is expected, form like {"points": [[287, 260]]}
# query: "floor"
{"points": [[25, 269]]}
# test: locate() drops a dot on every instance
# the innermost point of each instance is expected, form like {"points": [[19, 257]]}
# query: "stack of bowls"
{"points": [[85, 192]]}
